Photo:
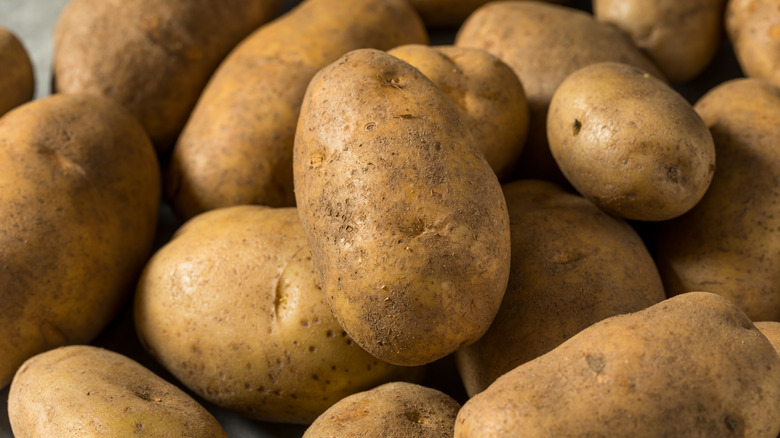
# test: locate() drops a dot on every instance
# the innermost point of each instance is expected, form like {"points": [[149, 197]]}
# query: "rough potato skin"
{"points": [[753, 27], [395, 409], [84, 391], [405, 218], [17, 81], [728, 243], [572, 265], [693, 366], [79, 196]]}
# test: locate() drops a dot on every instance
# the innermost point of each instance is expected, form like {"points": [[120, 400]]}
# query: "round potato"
{"points": [[17, 82], [753, 26]]}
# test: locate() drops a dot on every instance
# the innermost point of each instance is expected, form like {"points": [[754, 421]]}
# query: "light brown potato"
{"points": [[405, 219], [770, 329], [630, 143], [450, 13], [544, 43], [84, 391], [79, 195], [690, 366], [680, 36], [237, 146], [152, 56], [232, 306], [572, 266], [729, 242], [17, 82], [753, 26], [486, 90], [392, 410]]}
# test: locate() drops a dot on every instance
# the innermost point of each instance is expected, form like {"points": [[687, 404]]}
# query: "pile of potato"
{"points": [[594, 253]]}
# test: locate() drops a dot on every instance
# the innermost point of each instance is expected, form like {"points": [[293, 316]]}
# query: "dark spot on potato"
{"points": [[312, 348], [330, 334], [673, 173], [304, 323], [370, 126], [139, 428], [315, 377], [349, 341], [576, 127], [414, 417], [596, 362], [734, 424]]}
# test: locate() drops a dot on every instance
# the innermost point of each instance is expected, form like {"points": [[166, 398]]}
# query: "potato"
{"points": [[486, 90], [680, 36], [247, 270], [450, 13], [770, 329], [544, 43], [572, 266], [152, 56], [406, 221], [84, 391], [17, 82], [692, 366], [392, 410], [79, 195], [630, 143], [753, 27], [237, 146], [729, 242]]}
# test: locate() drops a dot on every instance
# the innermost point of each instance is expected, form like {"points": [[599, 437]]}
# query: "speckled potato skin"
{"points": [[544, 43], [84, 391], [630, 143], [152, 56], [405, 218], [693, 365], [17, 81], [395, 409], [729, 242], [237, 146], [450, 13], [486, 90], [753, 27], [79, 195], [572, 265], [232, 306], [680, 36]]}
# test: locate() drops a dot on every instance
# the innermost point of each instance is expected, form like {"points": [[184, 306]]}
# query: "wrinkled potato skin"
{"points": [[680, 36], [17, 81], [544, 43], [79, 195], [486, 90], [572, 266], [152, 56], [630, 143], [729, 242], [237, 146], [693, 365], [753, 26], [450, 13], [405, 218], [233, 308], [84, 391], [395, 409]]}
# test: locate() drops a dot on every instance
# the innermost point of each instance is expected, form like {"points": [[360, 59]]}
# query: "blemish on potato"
{"points": [[595, 362], [576, 127]]}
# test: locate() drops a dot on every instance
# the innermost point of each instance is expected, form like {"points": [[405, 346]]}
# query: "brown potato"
{"points": [[17, 82], [753, 26]]}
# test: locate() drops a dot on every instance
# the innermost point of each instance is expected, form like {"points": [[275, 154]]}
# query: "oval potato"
{"points": [[753, 27], [17, 81]]}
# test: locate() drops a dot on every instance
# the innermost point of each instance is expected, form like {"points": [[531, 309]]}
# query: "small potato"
{"points": [[392, 410], [630, 143], [17, 82], [753, 26], [84, 391]]}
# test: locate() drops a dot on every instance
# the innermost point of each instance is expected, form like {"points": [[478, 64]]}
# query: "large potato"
{"points": [[405, 218], [753, 26], [690, 366], [79, 195], [237, 146], [17, 82], [572, 266], [83, 391], [729, 242]]}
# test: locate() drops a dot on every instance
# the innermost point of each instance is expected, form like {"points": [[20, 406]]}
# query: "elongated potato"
{"points": [[753, 26], [405, 219], [17, 82]]}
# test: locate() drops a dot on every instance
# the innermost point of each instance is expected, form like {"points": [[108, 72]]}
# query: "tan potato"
{"points": [[405, 218], [152, 56], [451, 13], [572, 266], [544, 43], [486, 90], [392, 410], [84, 391], [79, 195], [770, 329], [680, 36], [17, 82], [237, 146], [753, 26], [690, 366], [729, 242], [630, 143]]}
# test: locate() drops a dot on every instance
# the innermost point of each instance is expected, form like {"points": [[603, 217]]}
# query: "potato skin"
{"points": [[572, 265], [79, 195], [770, 329], [85, 391], [753, 27], [693, 365], [405, 218], [630, 143], [728, 242], [17, 80]]}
